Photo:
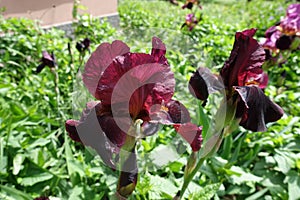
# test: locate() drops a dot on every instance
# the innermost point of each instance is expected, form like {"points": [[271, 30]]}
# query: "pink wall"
{"points": [[55, 12]]}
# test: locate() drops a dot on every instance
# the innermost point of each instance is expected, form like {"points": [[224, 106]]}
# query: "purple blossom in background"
{"points": [[190, 21], [284, 34], [290, 25]]}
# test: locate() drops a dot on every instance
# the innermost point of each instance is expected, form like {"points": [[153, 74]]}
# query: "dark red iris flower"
{"points": [[130, 87], [243, 80], [46, 60], [83, 45], [190, 3]]}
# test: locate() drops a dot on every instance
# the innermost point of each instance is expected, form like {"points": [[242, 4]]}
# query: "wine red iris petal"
{"points": [[191, 133], [255, 108], [97, 129], [247, 57], [99, 61]]}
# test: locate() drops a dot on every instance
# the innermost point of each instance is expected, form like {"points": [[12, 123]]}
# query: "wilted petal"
{"points": [[99, 61], [190, 3], [191, 133], [256, 109], [247, 56], [40, 68], [48, 59]]}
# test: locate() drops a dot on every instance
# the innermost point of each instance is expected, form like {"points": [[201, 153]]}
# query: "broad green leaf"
{"points": [[243, 177], [161, 185], [18, 161], [293, 181], [176, 166], [72, 165], [257, 195], [284, 165], [206, 193], [39, 143], [37, 178], [17, 194], [76, 192], [3, 164]]}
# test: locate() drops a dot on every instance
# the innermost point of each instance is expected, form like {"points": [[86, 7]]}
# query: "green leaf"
{"points": [[17, 194], [37, 178], [203, 120], [243, 177], [3, 164], [227, 146], [162, 186], [72, 165], [257, 195], [76, 192], [17, 163], [176, 166], [284, 164], [293, 181], [17, 109], [206, 193]]}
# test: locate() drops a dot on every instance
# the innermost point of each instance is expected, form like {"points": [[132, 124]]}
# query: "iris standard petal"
{"points": [[135, 82], [255, 108], [247, 56], [99, 61]]}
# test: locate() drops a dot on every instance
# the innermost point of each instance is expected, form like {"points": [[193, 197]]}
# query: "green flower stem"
{"points": [[210, 147], [56, 81], [189, 178]]}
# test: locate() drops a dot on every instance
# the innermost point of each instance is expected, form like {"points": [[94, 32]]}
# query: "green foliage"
{"points": [[37, 158]]}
